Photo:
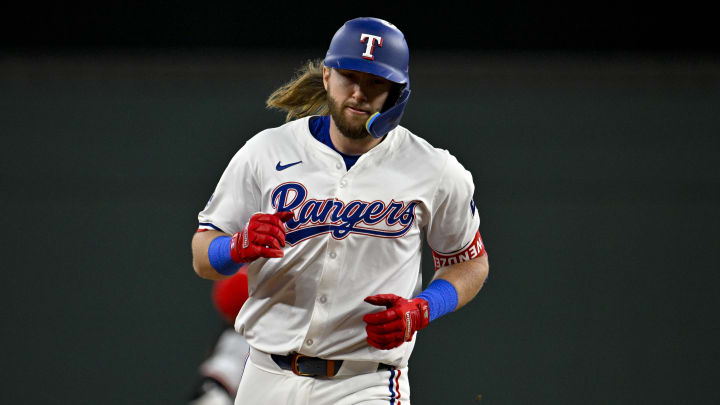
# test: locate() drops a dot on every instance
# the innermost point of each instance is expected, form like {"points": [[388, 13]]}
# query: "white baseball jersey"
{"points": [[355, 233]]}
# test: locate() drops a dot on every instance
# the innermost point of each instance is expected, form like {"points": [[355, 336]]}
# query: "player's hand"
{"points": [[263, 236], [397, 324]]}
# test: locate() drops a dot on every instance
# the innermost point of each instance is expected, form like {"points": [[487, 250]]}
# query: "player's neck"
{"points": [[350, 146]]}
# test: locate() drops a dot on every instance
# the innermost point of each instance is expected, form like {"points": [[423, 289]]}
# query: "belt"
{"points": [[313, 366]]}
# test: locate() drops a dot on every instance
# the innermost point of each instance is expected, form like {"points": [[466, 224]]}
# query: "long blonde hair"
{"points": [[302, 96]]}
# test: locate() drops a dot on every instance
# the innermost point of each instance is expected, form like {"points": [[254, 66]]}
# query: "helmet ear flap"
{"points": [[393, 96], [378, 125]]}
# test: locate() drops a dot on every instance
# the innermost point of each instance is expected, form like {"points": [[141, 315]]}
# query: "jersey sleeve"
{"points": [[452, 232], [235, 197]]}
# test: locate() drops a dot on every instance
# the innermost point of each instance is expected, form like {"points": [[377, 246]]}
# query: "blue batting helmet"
{"points": [[374, 46]]}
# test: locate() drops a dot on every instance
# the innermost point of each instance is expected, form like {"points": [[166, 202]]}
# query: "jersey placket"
{"points": [[335, 250], [333, 262]]}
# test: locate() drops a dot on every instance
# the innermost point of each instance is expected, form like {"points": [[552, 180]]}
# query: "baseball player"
{"points": [[329, 210]]}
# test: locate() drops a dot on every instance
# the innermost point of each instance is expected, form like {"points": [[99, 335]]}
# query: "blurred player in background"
{"points": [[330, 211], [221, 372]]}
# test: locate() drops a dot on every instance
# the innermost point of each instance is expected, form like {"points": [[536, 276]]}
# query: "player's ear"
{"points": [[326, 76]]}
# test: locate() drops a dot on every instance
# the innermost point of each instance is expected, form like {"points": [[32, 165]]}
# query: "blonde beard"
{"points": [[347, 129]]}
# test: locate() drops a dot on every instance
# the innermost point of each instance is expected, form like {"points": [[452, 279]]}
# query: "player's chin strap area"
{"points": [[379, 124]]}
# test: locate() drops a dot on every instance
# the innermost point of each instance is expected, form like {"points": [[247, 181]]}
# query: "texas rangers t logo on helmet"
{"points": [[370, 45]]}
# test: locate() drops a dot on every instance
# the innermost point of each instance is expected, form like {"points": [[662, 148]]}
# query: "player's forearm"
{"points": [[201, 261], [467, 278]]}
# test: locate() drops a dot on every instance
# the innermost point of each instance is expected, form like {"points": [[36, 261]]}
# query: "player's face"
{"points": [[353, 97]]}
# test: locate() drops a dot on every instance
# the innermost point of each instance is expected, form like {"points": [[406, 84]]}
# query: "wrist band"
{"points": [[441, 297], [219, 255]]}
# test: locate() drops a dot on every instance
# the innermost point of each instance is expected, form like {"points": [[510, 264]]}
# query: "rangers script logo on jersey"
{"points": [[317, 217]]}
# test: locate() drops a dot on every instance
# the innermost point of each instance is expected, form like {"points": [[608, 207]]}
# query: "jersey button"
{"points": [[333, 255], [343, 183], [309, 342], [338, 166], [323, 299]]}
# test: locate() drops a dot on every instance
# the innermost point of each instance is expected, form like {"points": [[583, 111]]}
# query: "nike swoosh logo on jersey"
{"points": [[280, 167]]}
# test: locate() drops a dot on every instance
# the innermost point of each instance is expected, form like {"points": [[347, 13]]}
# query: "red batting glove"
{"points": [[263, 236], [397, 324]]}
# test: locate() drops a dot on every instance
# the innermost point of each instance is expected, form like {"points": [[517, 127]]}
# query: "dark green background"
{"points": [[597, 183]]}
